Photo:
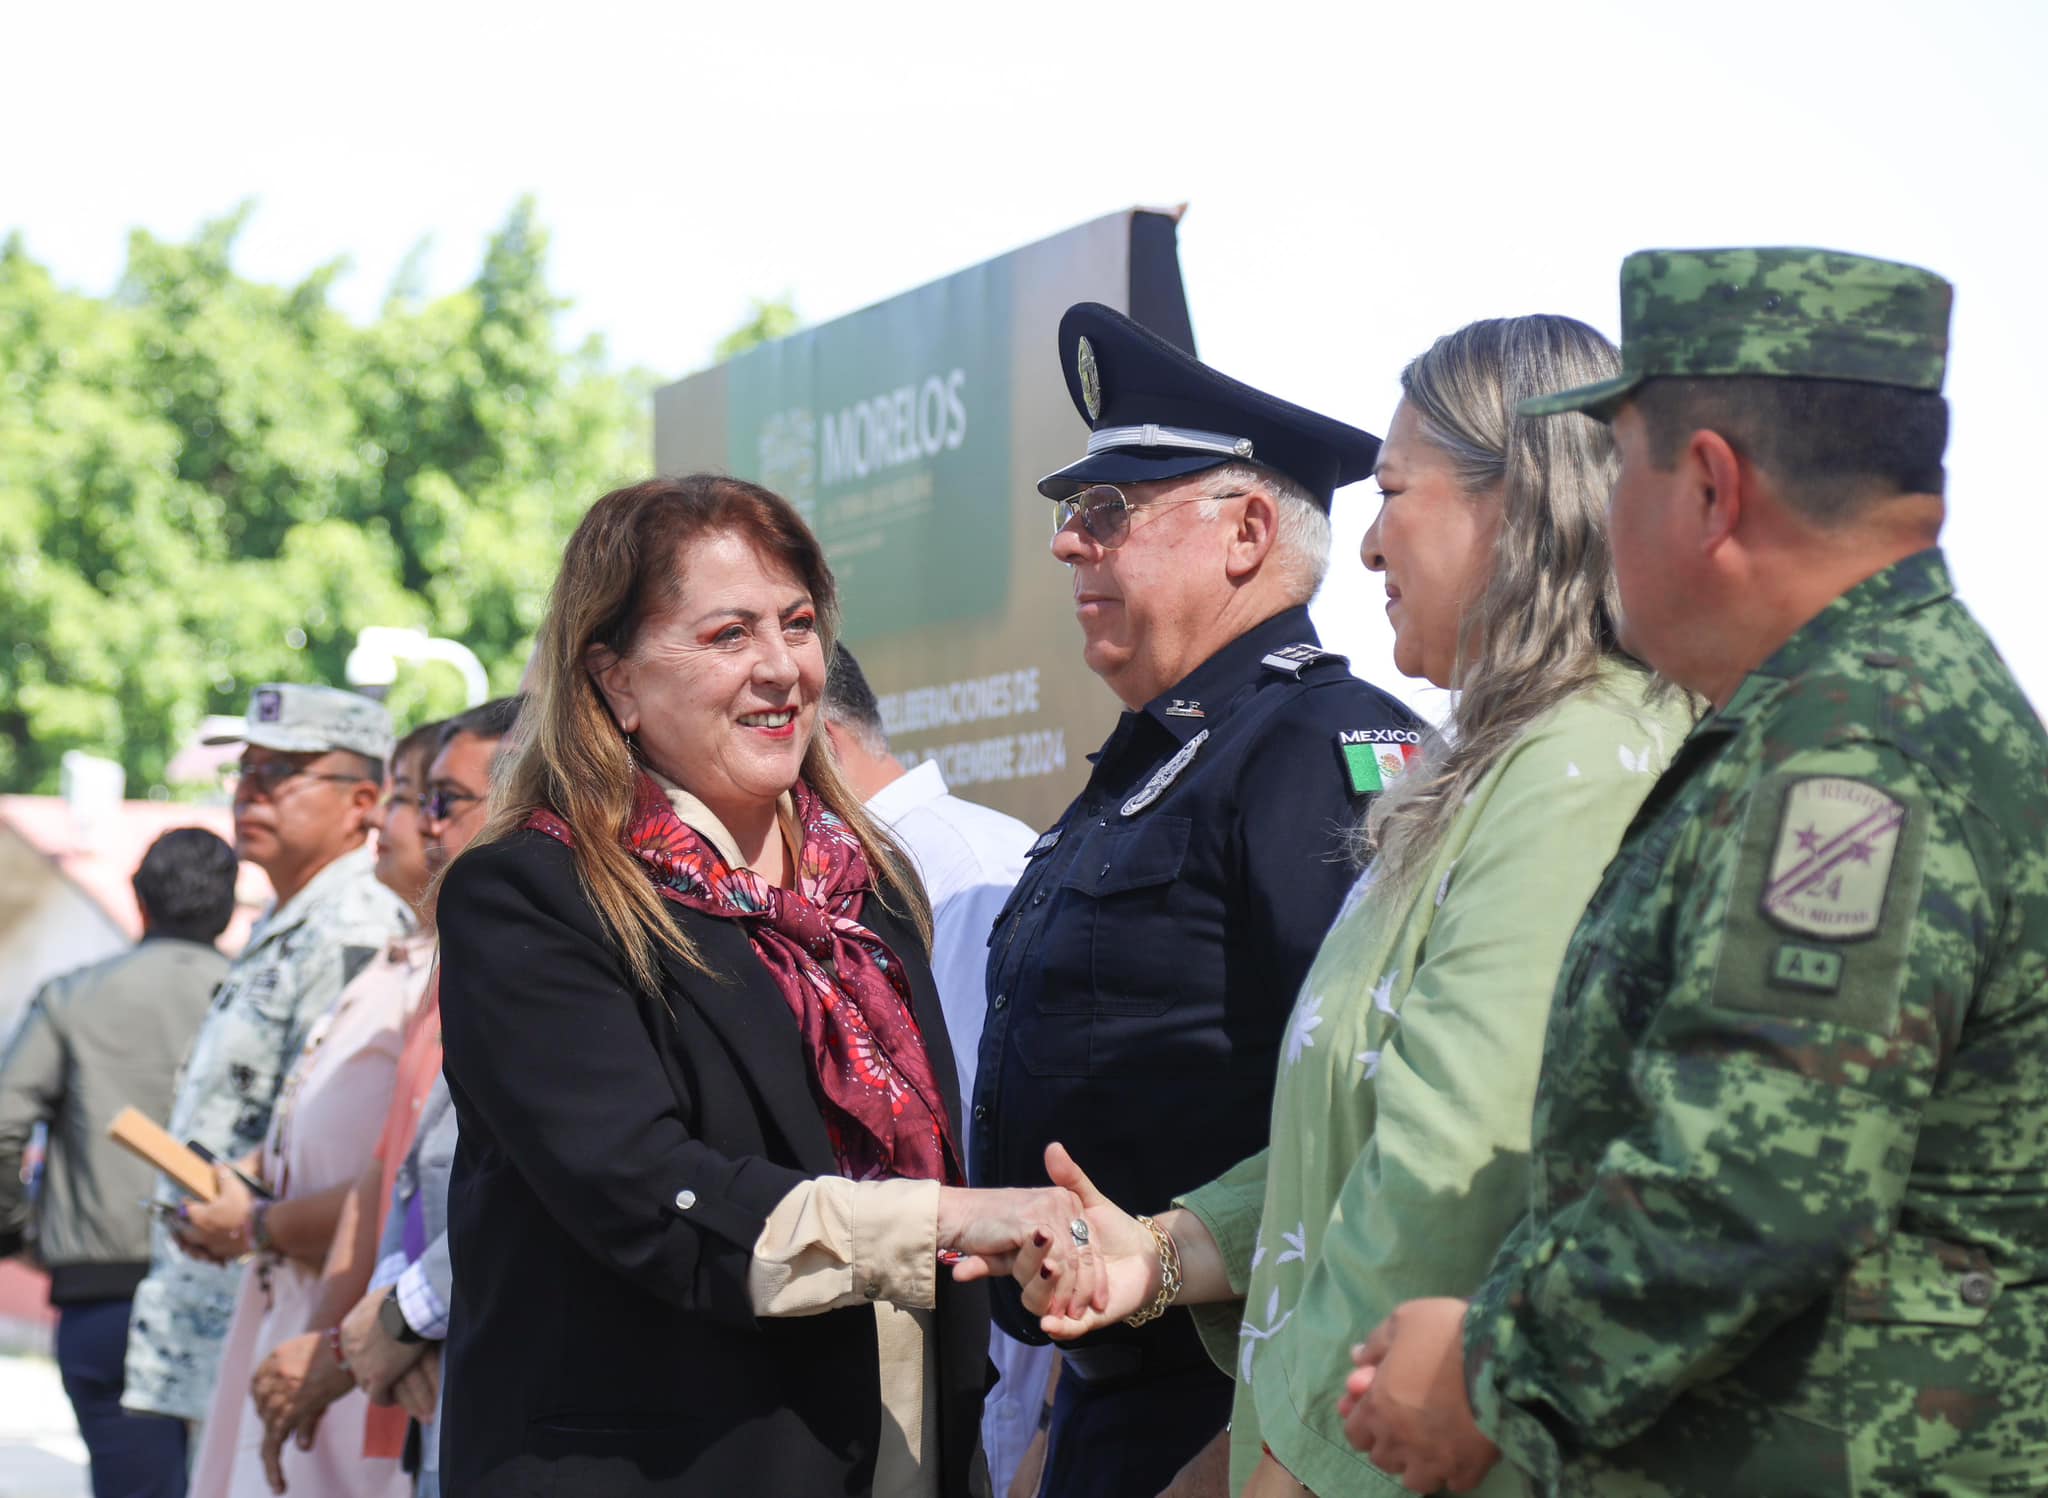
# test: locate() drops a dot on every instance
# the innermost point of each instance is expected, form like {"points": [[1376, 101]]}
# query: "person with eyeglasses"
{"points": [[380, 1311], [321, 1134], [311, 778], [1141, 973]]}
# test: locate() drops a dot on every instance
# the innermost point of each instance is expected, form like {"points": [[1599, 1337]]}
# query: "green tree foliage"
{"points": [[207, 482], [766, 322]]}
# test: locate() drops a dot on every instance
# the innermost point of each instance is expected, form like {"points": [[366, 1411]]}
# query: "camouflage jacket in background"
{"points": [[1789, 1220], [299, 958]]}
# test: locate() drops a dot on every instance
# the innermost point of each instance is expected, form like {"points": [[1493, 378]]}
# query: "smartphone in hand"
{"points": [[254, 1185]]}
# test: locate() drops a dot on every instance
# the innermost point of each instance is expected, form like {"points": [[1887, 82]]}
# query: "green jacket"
{"points": [[1788, 1227], [1400, 1128]]}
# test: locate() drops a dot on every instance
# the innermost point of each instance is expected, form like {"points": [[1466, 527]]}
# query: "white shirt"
{"points": [[970, 857]]}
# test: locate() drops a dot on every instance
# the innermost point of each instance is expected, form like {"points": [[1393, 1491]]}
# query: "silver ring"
{"points": [[1079, 1228]]}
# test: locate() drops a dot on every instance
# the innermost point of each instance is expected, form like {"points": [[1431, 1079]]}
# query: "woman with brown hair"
{"points": [[709, 1155]]}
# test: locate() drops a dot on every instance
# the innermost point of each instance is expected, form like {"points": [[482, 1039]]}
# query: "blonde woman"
{"points": [[1400, 1133]]}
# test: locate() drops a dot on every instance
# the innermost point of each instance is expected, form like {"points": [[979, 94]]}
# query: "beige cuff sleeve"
{"points": [[833, 1242]]}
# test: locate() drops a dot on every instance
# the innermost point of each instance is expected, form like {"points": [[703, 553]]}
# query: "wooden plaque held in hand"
{"points": [[138, 1133]]}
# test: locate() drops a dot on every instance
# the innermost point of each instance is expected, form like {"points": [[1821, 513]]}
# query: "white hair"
{"points": [[1301, 541]]}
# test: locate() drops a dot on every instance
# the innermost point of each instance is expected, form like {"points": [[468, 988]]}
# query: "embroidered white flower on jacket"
{"points": [[1637, 763], [1370, 1060], [1297, 1244], [1300, 1028], [1251, 1336], [1383, 993]]}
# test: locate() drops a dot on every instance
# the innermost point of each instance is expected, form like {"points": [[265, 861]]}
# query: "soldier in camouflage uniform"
{"points": [[1789, 1225], [312, 771]]}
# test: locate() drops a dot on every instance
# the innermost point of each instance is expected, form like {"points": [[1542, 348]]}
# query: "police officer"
{"points": [[1140, 974], [1788, 1232], [311, 774]]}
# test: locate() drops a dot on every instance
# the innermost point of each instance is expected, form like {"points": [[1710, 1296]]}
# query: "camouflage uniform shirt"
{"points": [[299, 958], [1789, 1218]]}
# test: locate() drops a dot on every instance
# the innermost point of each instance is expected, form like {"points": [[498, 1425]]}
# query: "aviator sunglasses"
{"points": [[1106, 514]]}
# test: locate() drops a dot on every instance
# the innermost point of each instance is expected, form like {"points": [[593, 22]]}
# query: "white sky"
{"points": [[1362, 178]]}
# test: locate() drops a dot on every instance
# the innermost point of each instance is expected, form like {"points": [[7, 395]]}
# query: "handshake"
{"points": [[1082, 1261]]}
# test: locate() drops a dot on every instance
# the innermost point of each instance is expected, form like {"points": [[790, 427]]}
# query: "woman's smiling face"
{"points": [[720, 690], [1434, 544]]}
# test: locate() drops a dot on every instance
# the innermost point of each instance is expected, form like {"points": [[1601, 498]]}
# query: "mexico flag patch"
{"points": [[1374, 758]]}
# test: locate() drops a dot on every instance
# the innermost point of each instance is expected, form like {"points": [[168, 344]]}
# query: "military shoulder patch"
{"points": [[1825, 896], [1374, 758], [1832, 861]]}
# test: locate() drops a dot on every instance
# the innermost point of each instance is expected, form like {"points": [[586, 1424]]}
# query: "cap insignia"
{"points": [[1244, 447], [269, 706], [1091, 379]]}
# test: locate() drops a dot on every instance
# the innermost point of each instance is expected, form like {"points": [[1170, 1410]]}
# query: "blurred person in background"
{"points": [[303, 1376], [321, 1133], [970, 857], [309, 782], [92, 1042], [708, 1157]]}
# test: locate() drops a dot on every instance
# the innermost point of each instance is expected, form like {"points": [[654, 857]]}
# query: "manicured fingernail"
{"points": [[1038, 1237], [1045, 1271]]}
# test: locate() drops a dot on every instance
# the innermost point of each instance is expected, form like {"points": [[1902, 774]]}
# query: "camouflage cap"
{"points": [[1787, 313], [296, 719]]}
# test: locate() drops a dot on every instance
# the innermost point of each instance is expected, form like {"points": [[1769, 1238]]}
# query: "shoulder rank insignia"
{"points": [[1833, 858], [1292, 660], [1183, 708], [1046, 843], [1164, 776], [1374, 758]]}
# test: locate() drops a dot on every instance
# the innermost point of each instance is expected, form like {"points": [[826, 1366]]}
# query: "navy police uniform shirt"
{"points": [[1141, 974]]}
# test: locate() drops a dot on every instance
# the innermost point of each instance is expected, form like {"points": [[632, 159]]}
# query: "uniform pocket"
{"points": [[1126, 879]]}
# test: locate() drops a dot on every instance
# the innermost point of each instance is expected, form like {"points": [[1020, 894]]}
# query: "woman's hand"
{"points": [[217, 1231], [292, 1389], [1027, 1233], [1128, 1253]]}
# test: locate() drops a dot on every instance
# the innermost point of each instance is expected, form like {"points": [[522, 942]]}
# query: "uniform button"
{"points": [[1978, 1288], [1001, 999], [685, 1200], [1039, 898], [980, 1112], [1105, 872]]}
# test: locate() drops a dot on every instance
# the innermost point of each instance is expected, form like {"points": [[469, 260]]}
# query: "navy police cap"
{"points": [[1155, 412]]}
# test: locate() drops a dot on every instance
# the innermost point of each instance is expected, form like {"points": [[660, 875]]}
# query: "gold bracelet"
{"points": [[1169, 1274]]}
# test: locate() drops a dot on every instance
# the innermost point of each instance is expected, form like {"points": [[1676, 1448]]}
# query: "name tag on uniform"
{"points": [[1047, 843]]}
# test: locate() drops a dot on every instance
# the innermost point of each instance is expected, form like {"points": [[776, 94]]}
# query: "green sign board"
{"points": [[890, 431], [911, 435]]}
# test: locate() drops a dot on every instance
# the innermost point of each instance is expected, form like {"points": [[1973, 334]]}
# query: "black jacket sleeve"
{"points": [[556, 1059]]}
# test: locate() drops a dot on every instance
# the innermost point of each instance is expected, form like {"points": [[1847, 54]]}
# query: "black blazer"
{"points": [[619, 1154]]}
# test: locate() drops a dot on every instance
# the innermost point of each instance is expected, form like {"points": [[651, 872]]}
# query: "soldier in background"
{"points": [[1788, 1231], [311, 775]]}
